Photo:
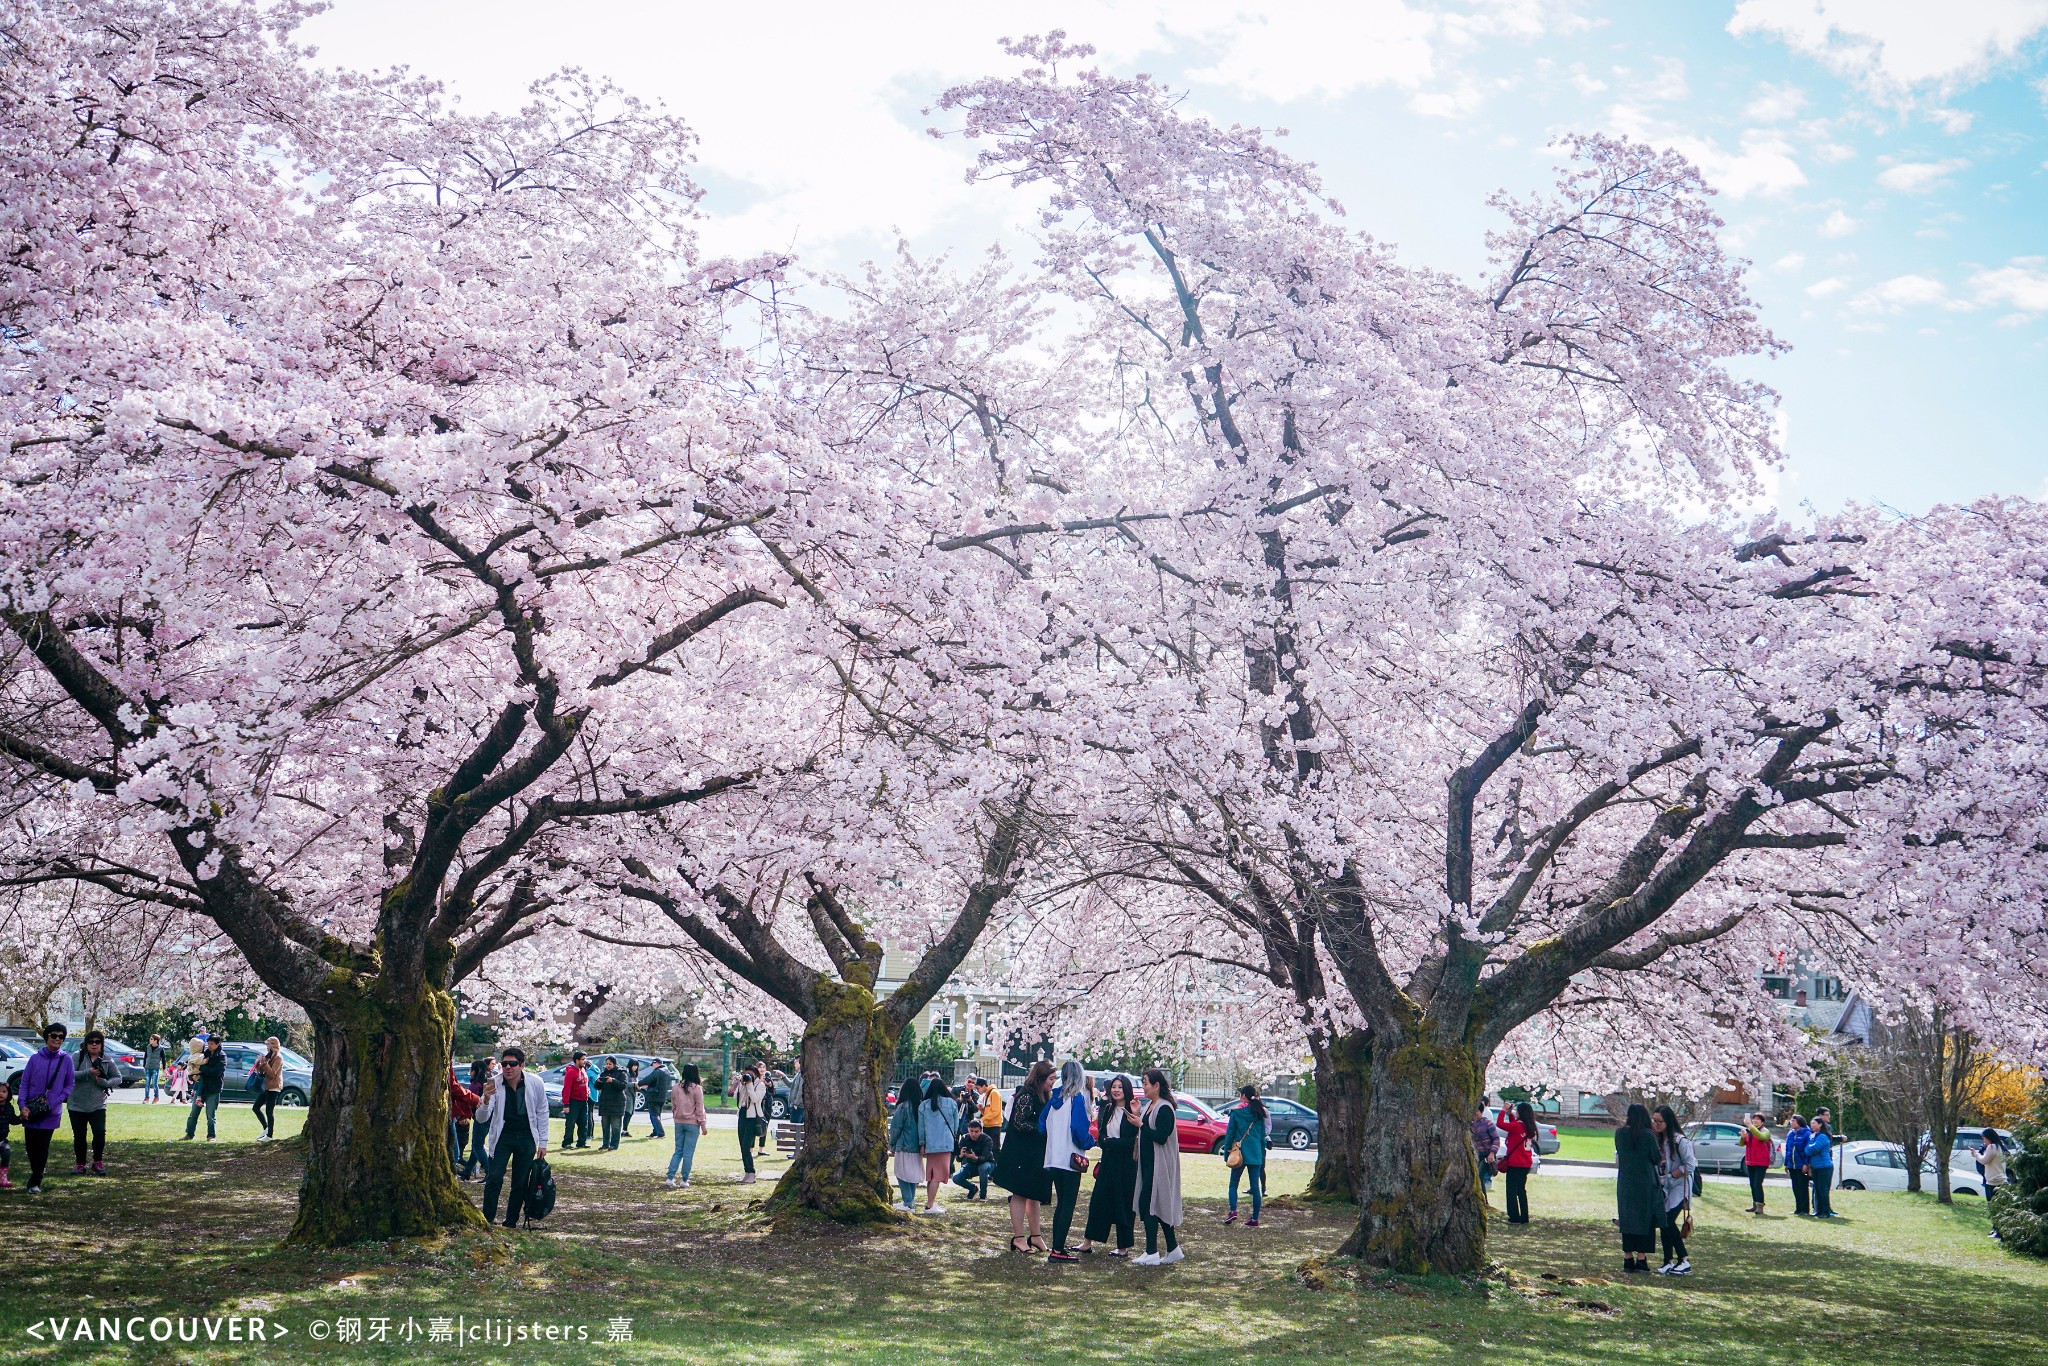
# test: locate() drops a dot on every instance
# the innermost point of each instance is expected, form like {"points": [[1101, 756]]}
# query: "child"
{"points": [[9, 1117]]}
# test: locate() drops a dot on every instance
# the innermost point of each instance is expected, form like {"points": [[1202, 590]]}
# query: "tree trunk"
{"points": [[1420, 1208], [847, 1049], [1340, 1105], [377, 1131]]}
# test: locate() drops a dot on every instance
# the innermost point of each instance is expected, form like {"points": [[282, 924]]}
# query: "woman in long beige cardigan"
{"points": [[1157, 1198]]}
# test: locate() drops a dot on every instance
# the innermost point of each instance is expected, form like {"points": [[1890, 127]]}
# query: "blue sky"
{"points": [[1883, 162]]}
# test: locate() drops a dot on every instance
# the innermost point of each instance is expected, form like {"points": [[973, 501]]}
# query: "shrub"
{"points": [[2020, 1211]]}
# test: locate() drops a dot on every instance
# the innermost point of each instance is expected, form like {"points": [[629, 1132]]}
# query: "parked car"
{"points": [[1718, 1147], [1201, 1128], [1546, 1134], [1289, 1123], [1870, 1165], [240, 1057], [14, 1055], [551, 1077], [1970, 1137], [126, 1056]]}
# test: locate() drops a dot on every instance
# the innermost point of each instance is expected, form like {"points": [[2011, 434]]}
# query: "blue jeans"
{"points": [[478, 1158], [686, 1151], [1258, 1185], [909, 1192], [152, 1085], [969, 1171], [654, 1121], [210, 1104]]}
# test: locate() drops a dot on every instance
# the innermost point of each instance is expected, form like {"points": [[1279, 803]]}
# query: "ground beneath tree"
{"points": [[190, 1229]]}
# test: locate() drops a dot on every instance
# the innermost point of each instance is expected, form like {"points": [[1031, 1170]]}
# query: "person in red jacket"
{"points": [[1756, 1158], [1520, 1132], [462, 1103], [575, 1104]]}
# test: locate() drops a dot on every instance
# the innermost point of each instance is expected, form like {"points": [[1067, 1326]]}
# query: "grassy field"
{"points": [[1587, 1144], [192, 1228]]}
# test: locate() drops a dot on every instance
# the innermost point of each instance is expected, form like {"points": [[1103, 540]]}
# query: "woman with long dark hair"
{"points": [[906, 1146], [1638, 1189], [937, 1119], [1113, 1203], [691, 1124], [1020, 1165], [1520, 1130], [1245, 1139], [1676, 1166], [1158, 1195]]}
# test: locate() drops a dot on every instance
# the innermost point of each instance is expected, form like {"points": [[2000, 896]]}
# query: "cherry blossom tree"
{"points": [[1465, 687], [367, 515]]}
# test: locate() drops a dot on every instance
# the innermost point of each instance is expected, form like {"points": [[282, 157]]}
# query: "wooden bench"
{"points": [[789, 1138]]}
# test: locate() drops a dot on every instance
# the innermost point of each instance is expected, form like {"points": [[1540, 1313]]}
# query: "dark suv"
{"points": [[240, 1057]]}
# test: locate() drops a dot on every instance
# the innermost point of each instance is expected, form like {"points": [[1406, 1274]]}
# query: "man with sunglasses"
{"points": [[517, 1116]]}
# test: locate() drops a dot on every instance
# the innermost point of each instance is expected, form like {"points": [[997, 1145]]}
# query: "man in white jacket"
{"points": [[517, 1118]]}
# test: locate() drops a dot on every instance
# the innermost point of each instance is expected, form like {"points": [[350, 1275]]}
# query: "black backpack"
{"points": [[540, 1189]]}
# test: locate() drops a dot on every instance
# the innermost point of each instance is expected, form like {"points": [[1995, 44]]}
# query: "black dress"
{"points": [[1112, 1203], [1638, 1194], [1020, 1166]]}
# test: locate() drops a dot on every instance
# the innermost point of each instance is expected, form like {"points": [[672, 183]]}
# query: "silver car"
{"points": [[1717, 1146]]}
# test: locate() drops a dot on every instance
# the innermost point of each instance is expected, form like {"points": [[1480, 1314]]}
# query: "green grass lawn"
{"points": [[193, 1228], [1590, 1144]]}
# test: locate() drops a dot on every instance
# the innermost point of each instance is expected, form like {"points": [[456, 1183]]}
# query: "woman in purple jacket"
{"points": [[45, 1086]]}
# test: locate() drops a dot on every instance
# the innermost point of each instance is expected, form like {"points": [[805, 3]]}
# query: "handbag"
{"points": [[1685, 1224], [1235, 1157]]}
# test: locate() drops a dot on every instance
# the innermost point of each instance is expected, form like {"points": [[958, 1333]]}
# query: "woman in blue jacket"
{"points": [[1820, 1160], [937, 1117], [906, 1142], [1247, 1135], [1064, 1122], [1795, 1166]]}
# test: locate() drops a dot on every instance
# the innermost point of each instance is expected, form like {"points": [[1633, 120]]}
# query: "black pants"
{"points": [[265, 1106], [1518, 1195], [747, 1131], [969, 1171], [1152, 1228], [611, 1129], [1823, 1178], [1756, 1183], [515, 1150], [1066, 1190], [38, 1141], [96, 1121], [1802, 1187], [576, 1124], [1674, 1241], [458, 1139]]}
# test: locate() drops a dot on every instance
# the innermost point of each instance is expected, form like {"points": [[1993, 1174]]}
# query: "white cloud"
{"points": [[1838, 224], [1902, 292], [1775, 103], [1763, 164], [1952, 121], [1897, 47], [1460, 100], [1918, 177], [1821, 289], [2021, 283], [1790, 261]]}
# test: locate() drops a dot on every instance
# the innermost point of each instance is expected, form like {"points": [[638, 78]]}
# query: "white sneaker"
{"points": [[1684, 1268], [1146, 1259], [1665, 1270], [1170, 1258], [900, 1207], [934, 1209], [670, 1183]]}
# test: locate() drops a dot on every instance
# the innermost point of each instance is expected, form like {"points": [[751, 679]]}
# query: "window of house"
{"points": [[1780, 987], [942, 1022], [1590, 1104], [1206, 1032]]}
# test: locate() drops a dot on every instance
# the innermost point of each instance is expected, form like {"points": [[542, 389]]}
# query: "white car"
{"points": [[1868, 1165]]}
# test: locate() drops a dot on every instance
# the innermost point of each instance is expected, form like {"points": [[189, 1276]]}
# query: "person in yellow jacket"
{"points": [[991, 1110]]}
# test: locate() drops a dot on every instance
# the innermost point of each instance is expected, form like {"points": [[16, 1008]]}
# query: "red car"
{"points": [[1201, 1129]]}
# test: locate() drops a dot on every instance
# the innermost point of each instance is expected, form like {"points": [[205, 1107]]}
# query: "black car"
{"points": [[1290, 1124]]}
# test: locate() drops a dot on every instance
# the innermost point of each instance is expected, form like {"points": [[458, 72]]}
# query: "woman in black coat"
{"points": [[1112, 1204], [1020, 1166], [1638, 1191]]}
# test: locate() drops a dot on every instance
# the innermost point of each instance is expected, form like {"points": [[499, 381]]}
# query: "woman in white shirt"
{"points": [[1064, 1122]]}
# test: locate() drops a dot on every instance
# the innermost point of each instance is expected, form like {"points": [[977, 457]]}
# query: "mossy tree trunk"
{"points": [[377, 1127], [1340, 1106], [839, 1174], [1420, 1207]]}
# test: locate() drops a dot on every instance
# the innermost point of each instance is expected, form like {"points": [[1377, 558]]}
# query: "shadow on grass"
{"points": [[702, 1279]]}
